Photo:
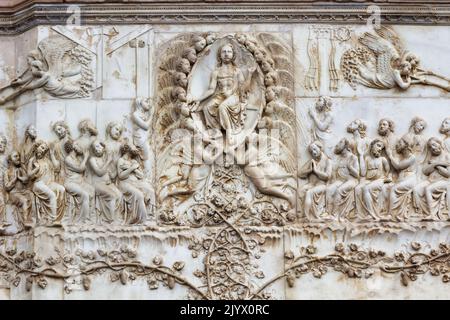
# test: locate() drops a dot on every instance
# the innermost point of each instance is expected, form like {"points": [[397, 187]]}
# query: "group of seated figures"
{"points": [[384, 178], [77, 180]]}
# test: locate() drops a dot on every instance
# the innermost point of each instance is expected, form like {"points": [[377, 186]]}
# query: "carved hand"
{"points": [[16, 82]]}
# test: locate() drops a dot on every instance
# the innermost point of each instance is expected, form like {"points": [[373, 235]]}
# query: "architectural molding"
{"points": [[19, 19]]}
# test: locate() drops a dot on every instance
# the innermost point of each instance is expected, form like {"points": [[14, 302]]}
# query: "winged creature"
{"points": [[382, 62], [59, 66]]}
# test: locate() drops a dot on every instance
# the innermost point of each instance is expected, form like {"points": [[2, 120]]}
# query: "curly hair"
{"points": [[113, 124], [416, 120], [375, 141], [362, 127], [391, 123], [63, 124], [219, 52]]}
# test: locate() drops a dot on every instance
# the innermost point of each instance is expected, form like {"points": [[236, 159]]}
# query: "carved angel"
{"points": [[59, 66], [269, 165], [383, 63]]}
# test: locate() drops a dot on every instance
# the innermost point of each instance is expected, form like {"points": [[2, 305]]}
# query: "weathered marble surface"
{"points": [[126, 63]]}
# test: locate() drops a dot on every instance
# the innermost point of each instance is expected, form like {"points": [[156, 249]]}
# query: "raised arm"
{"points": [[400, 81], [305, 170], [353, 167], [443, 171], [403, 164], [9, 181], [98, 170], [321, 125], [124, 173], [386, 166], [324, 175], [212, 87], [71, 72], [72, 165], [55, 162], [144, 125], [33, 168], [428, 168]]}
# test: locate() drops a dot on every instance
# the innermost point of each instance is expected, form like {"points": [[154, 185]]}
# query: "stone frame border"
{"points": [[24, 18]]}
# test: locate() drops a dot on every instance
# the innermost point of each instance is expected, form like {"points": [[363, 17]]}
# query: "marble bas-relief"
{"points": [[218, 186], [59, 66], [381, 61], [239, 103]]}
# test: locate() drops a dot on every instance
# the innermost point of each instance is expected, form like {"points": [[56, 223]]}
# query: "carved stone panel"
{"points": [[259, 161]]}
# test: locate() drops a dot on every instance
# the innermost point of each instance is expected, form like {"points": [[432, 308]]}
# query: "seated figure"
{"points": [[400, 195], [137, 192], [15, 181], [369, 193], [75, 181], [340, 195], [50, 196], [430, 194], [318, 171], [108, 196]]}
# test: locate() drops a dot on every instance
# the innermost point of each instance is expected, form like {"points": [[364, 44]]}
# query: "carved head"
{"points": [[3, 143], [445, 126], [143, 104], [226, 54], [114, 130], [190, 54], [33, 55], [98, 148], [417, 125], [179, 94], [86, 126], [250, 45], [376, 148], [129, 149], [323, 104], [357, 125], [405, 68], [61, 129], [14, 158], [271, 93], [180, 79], [241, 38], [259, 55], [404, 144], [199, 43], [70, 146], [385, 126], [315, 150], [344, 144], [41, 149], [183, 65], [210, 38], [271, 79], [412, 59], [30, 132], [267, 65], [434, 146]]}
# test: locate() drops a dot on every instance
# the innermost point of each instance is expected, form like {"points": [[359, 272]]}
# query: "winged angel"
{"points": [[382, 62], [177, 109], [59, 66]]}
